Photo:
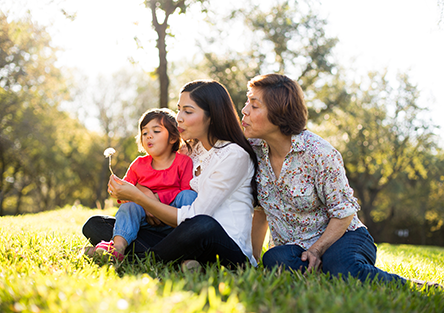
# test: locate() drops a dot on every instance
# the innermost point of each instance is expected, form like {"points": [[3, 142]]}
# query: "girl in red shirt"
{"points": [[162, 174]]}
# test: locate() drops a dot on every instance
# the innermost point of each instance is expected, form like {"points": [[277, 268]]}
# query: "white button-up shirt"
{"points": [[224, 191]]}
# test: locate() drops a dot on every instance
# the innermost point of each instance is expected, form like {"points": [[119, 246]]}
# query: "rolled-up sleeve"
{"points": [[333, 187], [218, 183]]}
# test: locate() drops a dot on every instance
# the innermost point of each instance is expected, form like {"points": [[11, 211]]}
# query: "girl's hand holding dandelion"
{"points": [[108, 153]]}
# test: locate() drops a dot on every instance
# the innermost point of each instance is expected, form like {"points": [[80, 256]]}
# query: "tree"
{"points": [[382, 137], [441, 8], [47, 158], [31, 88], [165, 8], [421, 209], [287, 37]]}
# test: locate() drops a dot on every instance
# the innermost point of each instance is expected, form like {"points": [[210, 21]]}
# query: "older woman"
{"points": [[303, 189]]}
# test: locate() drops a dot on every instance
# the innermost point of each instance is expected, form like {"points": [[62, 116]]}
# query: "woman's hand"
{"points": [[335, 230], [314, 260], [150, 218], [122, 190]]}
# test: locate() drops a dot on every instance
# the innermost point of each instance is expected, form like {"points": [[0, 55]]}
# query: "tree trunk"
{"points": [[368, 197], [19, 201], [1, 203], [163, 67], [101, 186], [161, 46]]}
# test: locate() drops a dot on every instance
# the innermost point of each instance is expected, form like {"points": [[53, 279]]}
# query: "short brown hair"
{"points": [[284, 100], [167, 119]]}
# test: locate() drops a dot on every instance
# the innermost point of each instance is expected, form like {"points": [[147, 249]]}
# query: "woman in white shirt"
{"points": [[218, 223]]}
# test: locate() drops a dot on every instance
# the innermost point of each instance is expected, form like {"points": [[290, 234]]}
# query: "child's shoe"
{"points": [[191, 266], [108, 247]]}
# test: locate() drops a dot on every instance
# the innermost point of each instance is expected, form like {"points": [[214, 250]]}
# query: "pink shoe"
{"points": [[108, 247]]}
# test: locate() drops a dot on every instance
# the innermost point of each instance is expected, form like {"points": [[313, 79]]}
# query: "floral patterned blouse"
{"points": [[311, 189]]}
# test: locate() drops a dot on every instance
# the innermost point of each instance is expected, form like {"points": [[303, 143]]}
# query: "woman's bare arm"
{"points": [[258, 232]]}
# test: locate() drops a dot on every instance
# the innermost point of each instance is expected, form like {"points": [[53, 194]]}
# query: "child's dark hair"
{"points": [[167, 119]]}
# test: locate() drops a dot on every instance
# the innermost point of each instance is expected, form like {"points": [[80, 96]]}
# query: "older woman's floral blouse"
{"points": [[311, 189]]}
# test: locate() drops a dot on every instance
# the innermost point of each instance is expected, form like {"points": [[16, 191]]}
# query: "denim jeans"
{"points": [[354, 253], [131, 216], [199, 238]]}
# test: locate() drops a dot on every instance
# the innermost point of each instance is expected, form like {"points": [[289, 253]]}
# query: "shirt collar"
{"points": [[297, 143], [204, 153]]}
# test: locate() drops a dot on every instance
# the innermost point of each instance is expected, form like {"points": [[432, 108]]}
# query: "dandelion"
{"points": [[108, 153]]}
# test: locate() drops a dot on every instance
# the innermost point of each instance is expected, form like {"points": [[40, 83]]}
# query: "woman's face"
{"points": [[192, 121], [255, 120]]}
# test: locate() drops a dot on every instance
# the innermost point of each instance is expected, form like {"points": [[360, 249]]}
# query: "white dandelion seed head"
{"points": [[109, 152]]}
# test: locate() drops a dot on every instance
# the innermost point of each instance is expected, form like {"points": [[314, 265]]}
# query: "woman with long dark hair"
{"points": [[218, 223]]}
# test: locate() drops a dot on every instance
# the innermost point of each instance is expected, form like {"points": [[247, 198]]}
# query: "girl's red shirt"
{"points": [[166, 183]]}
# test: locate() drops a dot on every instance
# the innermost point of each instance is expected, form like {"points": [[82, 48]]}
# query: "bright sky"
{"points": [[402, 35]]}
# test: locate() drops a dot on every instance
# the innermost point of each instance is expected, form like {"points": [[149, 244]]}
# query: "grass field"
{"points": [[42, 271]]}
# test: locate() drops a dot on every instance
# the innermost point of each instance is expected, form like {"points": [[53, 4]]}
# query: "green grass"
{"points": [[42, 271]]}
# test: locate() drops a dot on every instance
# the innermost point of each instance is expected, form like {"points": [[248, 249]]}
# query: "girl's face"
{"points": [[155, 139], [192, 121], [255, 120]]}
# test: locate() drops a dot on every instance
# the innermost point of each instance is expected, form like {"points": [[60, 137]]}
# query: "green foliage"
{"points": [[283, 37], [32, 88], [47, 158], [389, 152], [41, 270]]}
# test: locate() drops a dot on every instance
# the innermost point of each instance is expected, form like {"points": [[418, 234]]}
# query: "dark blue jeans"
{"points": [[354, 253], [131, 217], [199, 238]]}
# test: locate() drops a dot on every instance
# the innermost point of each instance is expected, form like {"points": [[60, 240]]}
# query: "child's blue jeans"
{"points": [[131, 217]]}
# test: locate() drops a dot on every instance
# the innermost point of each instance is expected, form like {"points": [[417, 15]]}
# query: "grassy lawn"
{"points": [[42, 271]]}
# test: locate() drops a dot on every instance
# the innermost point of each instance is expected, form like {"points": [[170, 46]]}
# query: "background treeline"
{"points": [[50, 155]]}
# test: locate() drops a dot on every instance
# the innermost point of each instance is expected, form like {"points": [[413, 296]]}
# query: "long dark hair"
{"points": [[214, 99]]}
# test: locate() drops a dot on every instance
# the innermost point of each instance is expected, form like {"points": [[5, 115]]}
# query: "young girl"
{"points": [[164, 171]]}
